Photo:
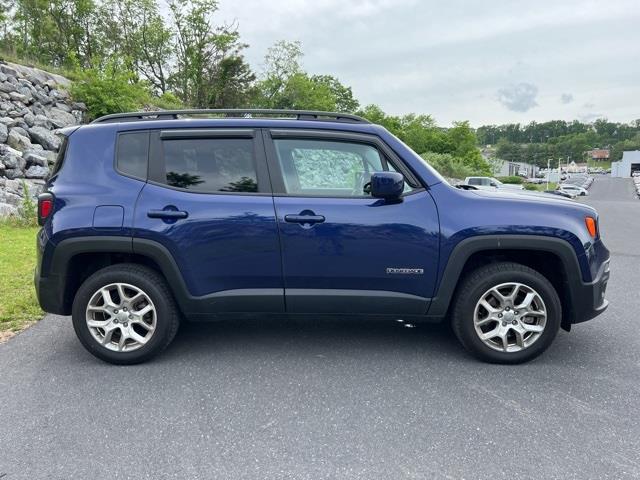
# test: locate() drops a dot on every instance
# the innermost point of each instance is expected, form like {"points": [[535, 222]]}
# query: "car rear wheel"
{"points": [[125, 314], [506, 313]]}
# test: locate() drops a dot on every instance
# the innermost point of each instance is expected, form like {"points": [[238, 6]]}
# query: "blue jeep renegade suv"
{"points": [[150, 218]]}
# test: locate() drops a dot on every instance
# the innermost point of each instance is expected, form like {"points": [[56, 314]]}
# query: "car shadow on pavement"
{"points": [[313, 337]]}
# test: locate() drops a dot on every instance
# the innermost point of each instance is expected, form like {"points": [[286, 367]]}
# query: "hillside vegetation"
{"points": [[131, 54], [557, 139], [134, 54]]}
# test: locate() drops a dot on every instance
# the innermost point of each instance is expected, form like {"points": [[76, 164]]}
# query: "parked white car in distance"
{"points": [[490, 183], [573, 189]]}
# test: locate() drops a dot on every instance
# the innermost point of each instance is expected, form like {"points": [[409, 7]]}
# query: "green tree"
{"points": [[281, 63], [210, 67], [139, 34], [61, 33], [342, 96], [109, 90]]}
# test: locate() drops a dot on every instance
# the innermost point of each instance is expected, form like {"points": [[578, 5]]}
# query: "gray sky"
{"points": [[489, 61]]}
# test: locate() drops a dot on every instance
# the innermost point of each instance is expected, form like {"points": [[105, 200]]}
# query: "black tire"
{"points": [[479, 281], [147, 280]]}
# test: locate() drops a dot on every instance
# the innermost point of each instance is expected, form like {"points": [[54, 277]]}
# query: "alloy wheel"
{"points": [[510, 317], [121, 317]]}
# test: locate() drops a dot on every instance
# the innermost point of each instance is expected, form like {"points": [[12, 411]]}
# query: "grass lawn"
{"points": [[603, 164], [18, 304], [541, 187]]}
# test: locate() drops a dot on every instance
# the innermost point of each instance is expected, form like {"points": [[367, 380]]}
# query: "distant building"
{"points": [[624, 168], [599, 154], [508, 169]]}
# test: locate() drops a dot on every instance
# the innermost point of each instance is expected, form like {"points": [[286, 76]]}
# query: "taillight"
{"points": [[592, 226], [45, 207]]}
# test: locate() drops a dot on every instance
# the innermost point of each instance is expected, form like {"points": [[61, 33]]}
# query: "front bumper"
{"points": [[590, 301]]}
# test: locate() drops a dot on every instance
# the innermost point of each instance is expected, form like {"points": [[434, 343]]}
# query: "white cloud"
{"points": [[450, 58], [519, 98], [566, 98]]}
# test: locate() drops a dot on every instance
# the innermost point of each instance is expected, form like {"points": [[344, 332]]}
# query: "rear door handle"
{"points": [[167, 214], [310, 219]]}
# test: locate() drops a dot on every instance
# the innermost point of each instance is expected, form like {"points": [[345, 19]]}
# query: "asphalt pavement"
{"points": [[343, 400]]}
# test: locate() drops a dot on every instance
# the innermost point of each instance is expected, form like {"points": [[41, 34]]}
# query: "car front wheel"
{"points": [[125, 314], [506, 313]]}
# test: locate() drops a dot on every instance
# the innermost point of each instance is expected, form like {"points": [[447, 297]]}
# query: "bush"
{"points": [[512, 179], [167, 101], [27, 212], [448, 165], [531, 186], [110, 90]]}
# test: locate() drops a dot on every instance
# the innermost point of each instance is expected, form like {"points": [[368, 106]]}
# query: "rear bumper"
{"points": [[50, 293], [590, 300], [49, 288]]}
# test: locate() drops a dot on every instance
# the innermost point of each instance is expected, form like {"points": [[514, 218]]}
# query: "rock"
{"points": [[42, 121], [7, 87], [19, 142], [38, 109], [13, 173], [13, 187], [34, 158], [21, 131], [7, 121], [18, 97], [8, 70], [45, 137], [42, 97], [79, 106], [78, 115], [7, 210], [29, 119], [3, 77], [34, 79], [13, 161], [4, 133], [63, 106], [37, 171], [51, 156], [20, 123], [60, 119]]}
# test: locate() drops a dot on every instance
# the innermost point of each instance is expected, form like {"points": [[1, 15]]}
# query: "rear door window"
{"points": [[210, 165]]}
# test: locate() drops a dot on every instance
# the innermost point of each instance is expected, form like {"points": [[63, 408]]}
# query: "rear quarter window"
{"points": [[132, 155], [62, 153]]}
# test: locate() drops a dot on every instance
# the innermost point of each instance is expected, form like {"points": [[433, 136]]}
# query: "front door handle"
{"points": [[306, 218], [167, 214]]}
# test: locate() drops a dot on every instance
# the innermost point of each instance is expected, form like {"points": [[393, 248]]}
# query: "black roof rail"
{"points": [[232, 113]]}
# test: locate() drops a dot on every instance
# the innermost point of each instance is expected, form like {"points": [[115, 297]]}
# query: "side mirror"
{"points": [[387, 185], [494, 184]]}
